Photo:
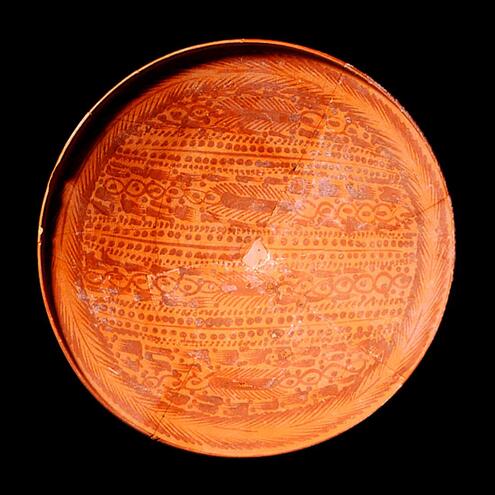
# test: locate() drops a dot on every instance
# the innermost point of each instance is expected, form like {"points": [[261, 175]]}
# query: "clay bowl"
{"points": [[245, 248]]}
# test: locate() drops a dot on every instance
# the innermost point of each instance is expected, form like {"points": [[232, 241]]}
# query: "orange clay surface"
{"points": [[246, 248]]}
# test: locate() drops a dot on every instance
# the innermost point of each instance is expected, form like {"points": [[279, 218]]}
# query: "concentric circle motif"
{"points": [[246, 247]]}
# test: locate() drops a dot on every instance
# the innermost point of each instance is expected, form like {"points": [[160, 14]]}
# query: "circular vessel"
{"points": [[245, 248]]}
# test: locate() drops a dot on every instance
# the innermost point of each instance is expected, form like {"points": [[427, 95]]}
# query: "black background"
{"points": [[72, 61]]}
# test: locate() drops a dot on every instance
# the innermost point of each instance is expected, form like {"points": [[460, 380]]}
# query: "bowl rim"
{"points": [[86, 121]]}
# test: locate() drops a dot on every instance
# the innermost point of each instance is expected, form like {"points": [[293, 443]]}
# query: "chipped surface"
{"points": [[257, 256]]}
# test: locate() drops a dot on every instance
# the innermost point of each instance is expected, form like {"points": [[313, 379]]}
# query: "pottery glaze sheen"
{"points": [[245, 248]]}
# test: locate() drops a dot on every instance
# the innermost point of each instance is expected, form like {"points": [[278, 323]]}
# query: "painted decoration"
{"points": [[246, 248]]}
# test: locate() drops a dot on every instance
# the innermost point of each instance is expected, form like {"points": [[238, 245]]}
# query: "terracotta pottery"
{"points": [[245, 248]]}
